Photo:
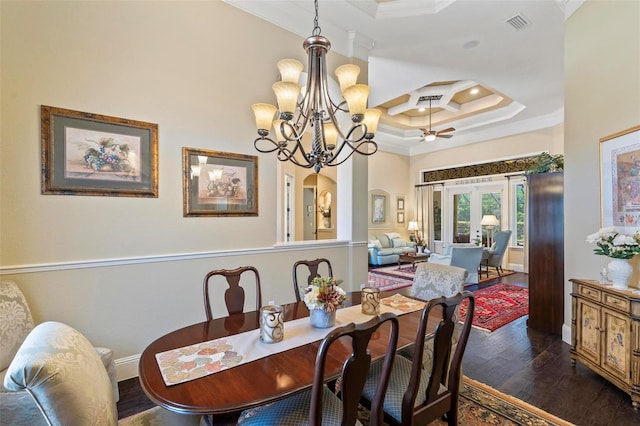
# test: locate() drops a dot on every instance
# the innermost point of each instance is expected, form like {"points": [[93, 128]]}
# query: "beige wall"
{"points": [[389, 175], [127, 270], [602, 97], [549, 139]]}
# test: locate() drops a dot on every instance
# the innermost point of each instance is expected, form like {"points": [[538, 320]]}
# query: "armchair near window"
{"points": [[493, 256], [467, 257]]}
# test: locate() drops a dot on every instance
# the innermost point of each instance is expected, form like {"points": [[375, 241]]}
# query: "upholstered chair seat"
{"points": [[61, 371]]}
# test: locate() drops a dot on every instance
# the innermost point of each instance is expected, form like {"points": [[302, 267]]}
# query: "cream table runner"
{"points": [[202, 359]]}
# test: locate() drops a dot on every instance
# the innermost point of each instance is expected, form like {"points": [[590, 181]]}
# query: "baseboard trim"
{"points": [[127, 367]]}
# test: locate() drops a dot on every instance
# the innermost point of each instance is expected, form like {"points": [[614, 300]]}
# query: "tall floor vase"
{"points": [[619, 271]]}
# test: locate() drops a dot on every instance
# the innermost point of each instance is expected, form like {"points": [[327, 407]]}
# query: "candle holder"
{"points": [[370, 300], [271, 324]]}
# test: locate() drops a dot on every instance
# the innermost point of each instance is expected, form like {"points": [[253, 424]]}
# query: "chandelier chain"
{"points": [[316, 26]]}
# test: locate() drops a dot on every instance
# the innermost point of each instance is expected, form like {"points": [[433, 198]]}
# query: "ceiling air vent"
{"points": [[518, 22], [429, 97]]}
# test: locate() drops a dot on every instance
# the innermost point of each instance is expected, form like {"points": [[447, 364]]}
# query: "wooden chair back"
{"points": [[441, 396], [234, 295], [355, 370], [312, 267]]}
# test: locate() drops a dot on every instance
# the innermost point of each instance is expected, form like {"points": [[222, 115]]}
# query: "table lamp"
{"points": [[413, 227], [490, 221]]}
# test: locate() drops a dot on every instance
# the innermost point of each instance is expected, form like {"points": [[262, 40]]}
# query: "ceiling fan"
{"points": [[431, 135]]}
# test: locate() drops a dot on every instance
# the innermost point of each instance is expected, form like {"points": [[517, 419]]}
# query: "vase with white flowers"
{"points": [[323, 297], [620, 248]]}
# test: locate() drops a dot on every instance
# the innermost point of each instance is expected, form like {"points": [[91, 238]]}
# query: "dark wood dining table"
{"points": [[258, 382]]}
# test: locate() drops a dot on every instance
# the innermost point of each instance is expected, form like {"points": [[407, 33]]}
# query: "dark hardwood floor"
{"points": [[532, 366]]}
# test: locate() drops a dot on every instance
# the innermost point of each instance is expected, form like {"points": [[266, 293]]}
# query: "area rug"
{"points": [[386, 282], [407, 272], [481, 405], [497, 306]]}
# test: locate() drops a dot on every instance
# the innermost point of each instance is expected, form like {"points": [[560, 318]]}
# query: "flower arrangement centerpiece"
{"points": [[620, 248], [421, 243], [323, 297]]}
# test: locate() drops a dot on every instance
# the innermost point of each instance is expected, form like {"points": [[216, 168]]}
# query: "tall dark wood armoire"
{"points": [[545, 215]]}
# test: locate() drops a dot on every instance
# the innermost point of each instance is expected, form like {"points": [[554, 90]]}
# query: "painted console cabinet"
{"points": [[605, 333]]}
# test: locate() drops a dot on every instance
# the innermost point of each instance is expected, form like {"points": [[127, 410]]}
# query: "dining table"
{"points": [[270, 378]]}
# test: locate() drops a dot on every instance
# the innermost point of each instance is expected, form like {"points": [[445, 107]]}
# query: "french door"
{"points": [[466, 207]]}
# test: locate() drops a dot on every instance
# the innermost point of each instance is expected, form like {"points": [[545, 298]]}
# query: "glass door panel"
{"points": [[461, 218]]}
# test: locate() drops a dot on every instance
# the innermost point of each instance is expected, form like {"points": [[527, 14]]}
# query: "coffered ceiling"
{"points": [[491, 68]]}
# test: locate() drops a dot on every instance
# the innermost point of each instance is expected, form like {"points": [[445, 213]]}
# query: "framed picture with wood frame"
{"points": [[400, 217], [219, 183], [400, 203], [92, 154], [378, 208], [620, 180]]}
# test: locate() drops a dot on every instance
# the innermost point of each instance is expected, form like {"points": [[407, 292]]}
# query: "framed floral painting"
{"points": [[93, 154], [219, 183], [620, 180], [378, 208]]}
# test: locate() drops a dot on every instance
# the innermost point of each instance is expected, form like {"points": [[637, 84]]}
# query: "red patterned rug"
{"points": [[386, 282], [497, 306]]}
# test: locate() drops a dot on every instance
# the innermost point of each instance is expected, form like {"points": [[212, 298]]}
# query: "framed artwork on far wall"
{"points": [[400, 217], [378, 208], [400, 203], [219, 183], [620, 180], [92, 154]]}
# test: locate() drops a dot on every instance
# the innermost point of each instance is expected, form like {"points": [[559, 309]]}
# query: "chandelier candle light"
{"points": [[620, 248], [316, 111]]}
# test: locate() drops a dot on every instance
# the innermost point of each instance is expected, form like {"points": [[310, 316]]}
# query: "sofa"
{"points": [[386, 248]]}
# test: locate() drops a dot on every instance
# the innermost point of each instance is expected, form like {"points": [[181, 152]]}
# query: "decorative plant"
{"points": [[420, 241], [325, 211], [547, 163], [324, 293], [614, 244]]}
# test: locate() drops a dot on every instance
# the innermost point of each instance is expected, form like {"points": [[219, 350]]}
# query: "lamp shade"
{"points": [[413, 225], [356, 97], [371, 118], [287, 95], [489, 220], [290, 70], [264, 115], [347, 76]]}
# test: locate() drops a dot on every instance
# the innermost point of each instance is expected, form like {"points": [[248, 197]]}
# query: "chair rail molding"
{"points": [[98, 263]]}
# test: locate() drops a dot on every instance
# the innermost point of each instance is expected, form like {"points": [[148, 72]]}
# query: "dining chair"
{"points": [[59, 369], [319, 405], [312, 267], [234, 295], [415, 395]]}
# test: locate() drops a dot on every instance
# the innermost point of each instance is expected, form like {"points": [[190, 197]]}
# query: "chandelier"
{"points": [[313, 110]]}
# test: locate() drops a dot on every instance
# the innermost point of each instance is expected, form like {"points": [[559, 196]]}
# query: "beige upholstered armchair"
{"points": [[16, 322], [62, 372], [430, 282]]}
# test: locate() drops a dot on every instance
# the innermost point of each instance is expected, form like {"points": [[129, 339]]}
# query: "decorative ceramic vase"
{"points": [[619, 271], [321, 318], [420, 249]]}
